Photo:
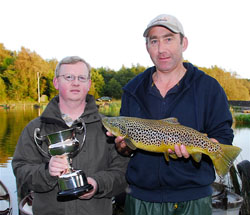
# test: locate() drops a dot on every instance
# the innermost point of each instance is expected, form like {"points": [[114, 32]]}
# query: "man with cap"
{"points": [[173, 88]]}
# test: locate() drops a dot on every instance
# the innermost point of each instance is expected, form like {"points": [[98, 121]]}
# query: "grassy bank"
{"points": [[113, 109], [110, 108], [242, 119]]}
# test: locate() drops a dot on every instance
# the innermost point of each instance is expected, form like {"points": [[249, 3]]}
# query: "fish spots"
{"points": [[154, 133], [160, 135]]}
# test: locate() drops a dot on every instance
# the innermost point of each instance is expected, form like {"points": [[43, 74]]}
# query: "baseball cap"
{"points": [[165, 20]]}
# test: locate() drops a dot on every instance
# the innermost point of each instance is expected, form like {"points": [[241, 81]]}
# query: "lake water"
{"points": [[13, 121]]}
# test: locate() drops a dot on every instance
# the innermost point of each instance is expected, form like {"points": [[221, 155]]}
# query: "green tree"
{"points": [[19, 73], [235, 88], [92, 90], [124, 75], [29, 66], [114, 89], [12, 84], [47, 86], [136, 70], [107, 74], [246, 83], [2, 90], [6, 58], [97, 83]]}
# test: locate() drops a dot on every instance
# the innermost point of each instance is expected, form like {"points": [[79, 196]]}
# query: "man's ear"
{"points": [[55, 82], [89, 84], [146, 46], [184, 44]]}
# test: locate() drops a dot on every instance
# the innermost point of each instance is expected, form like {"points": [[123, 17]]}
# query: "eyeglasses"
{"points": [[80, 78]]}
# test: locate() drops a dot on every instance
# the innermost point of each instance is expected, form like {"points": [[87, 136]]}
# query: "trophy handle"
{"points": [[81, 128], [37, 136]]}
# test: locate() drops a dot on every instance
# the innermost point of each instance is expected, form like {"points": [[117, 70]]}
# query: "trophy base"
{"points": [[76, 191], [73, 184]]}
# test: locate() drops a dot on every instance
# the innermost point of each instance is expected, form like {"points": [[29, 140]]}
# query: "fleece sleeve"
{"points": [[112, 181], [29, 166]]}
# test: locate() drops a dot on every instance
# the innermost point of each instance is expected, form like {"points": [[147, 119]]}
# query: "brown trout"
{"points": [[161, 135]]}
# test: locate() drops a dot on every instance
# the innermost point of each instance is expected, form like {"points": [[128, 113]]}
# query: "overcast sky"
{"points": [[108, 33]]}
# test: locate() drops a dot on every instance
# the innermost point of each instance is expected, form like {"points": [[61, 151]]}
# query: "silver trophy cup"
{"points": [[73, 182]]}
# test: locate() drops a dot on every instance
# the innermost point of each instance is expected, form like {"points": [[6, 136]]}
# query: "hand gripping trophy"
{"points": [[73, 182]]}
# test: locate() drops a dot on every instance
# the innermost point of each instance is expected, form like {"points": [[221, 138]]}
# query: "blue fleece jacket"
{"points": [[197, 101]]}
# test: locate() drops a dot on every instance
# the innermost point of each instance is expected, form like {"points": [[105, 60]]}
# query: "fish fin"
{"points": [[174, 156], [171, 120], [129, 143], [197, 156], [224, 160], [166, 156]]}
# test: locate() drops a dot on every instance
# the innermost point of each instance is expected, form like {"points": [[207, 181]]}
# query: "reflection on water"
{"points": [[12, 123], [242, 140]]}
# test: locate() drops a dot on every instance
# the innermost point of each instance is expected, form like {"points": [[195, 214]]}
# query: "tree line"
{"points": [[20, 72]]}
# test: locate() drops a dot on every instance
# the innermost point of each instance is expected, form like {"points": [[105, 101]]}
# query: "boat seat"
{"points": [[5, 212], [4, 197]]}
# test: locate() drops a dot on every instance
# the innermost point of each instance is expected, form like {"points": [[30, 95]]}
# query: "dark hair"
{"points": [[181, 37]]}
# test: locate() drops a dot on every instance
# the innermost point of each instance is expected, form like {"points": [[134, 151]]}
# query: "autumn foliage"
{"points": [[20, 72]]}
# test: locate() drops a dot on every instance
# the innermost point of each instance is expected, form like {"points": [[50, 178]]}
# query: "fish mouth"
{"points": [[104, 120], [106, 124]]}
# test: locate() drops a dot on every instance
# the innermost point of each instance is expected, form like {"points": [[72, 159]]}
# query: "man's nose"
{"points": [[76, 81], [161, 47]]}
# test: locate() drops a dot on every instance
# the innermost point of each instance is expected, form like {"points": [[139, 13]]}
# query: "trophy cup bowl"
{"points": [[73, 182]]}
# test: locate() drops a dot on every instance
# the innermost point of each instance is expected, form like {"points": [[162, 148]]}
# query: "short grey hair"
{"points": [[71, 60]]}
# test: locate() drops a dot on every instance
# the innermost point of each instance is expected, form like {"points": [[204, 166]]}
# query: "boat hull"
{"points": [[25, 205], [225, 202], [5, 200]]}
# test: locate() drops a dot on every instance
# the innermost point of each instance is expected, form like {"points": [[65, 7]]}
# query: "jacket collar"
{"points": [[52, 113], [145, 79]]}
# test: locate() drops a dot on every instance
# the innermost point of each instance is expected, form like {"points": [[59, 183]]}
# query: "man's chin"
{"points": [[76, 98]]}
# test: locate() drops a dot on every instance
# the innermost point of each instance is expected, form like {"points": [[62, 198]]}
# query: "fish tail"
{"points": [[224, 160]]}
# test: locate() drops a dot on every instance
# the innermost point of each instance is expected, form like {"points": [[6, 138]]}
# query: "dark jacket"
{"points": [[198, 101], [98, 159]]}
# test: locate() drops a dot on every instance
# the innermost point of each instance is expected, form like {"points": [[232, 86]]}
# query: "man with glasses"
{"points": [[98, 158]]}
